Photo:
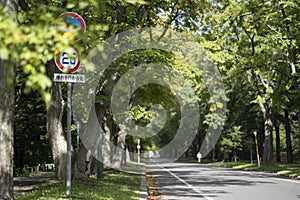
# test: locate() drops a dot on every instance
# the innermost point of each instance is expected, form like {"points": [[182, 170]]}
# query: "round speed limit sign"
{"points": [[67, 61]]}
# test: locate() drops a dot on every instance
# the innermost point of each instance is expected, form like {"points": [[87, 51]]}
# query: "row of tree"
{"points": [[260, 44], [254, 44]]}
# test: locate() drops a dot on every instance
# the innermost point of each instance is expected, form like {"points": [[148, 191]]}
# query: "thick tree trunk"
{"points": [[106, 145], [268, 124], [7, 74], [55, 130], [81, 164], [268, 142], [7, 96], [298, 116], [278, 150], [289, 150], [119, 155]]}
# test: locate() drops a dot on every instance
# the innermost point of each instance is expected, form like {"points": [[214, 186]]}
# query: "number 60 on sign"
{"points": [[67, 61]]}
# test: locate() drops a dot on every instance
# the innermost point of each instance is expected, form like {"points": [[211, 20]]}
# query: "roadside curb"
{"points": [[143, 190], [272, 173], [152, 185]]}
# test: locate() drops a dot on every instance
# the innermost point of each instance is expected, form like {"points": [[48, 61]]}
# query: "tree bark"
{"points": [[291, 56], [11, 5], [298, 116], [6, 129], [81, 164], [119, 156], [55, 130], [268, 124], [278, 151], [106, 150], [268, 142], [7, 96], [289, 150]]}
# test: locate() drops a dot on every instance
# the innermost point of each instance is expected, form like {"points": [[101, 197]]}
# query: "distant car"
{"points": [[47, 166]]}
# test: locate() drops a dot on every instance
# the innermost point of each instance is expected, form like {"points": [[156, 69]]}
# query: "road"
{"points": [[197, 181]]}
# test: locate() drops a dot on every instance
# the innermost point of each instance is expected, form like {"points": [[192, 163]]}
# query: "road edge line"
{"points": [[204, 195]]}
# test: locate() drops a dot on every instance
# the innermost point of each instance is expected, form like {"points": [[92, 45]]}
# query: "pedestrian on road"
{"points": [[199, 156]]}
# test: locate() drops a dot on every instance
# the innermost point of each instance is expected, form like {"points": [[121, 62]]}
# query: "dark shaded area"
{"points": [[31, 144], [28, 183]]}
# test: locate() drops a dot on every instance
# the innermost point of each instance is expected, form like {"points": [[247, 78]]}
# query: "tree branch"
{"points": [[251, 39], [263, 82], [261, 105], [272, 29], [291, 52], [140, 14]]}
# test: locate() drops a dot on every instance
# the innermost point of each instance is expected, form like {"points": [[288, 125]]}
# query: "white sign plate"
{"points": [[70, 78]]}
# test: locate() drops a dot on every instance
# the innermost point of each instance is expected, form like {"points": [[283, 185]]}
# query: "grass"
{"points": [[280, 168], [134, 167], [114, 186]]}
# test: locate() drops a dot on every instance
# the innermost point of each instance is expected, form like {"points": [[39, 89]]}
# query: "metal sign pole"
{"points": [[69, 141], [69, 65]]}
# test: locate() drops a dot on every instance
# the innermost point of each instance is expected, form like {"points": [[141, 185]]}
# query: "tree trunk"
{"points": [[298, 116], [213, 153], [11, 5], [289, 150], [6, 129], [106, 147], [81, 164], [55, 130], [235, 156], [7, 95], [268, 142], [278, 151], [80, 169], [118, 156]]}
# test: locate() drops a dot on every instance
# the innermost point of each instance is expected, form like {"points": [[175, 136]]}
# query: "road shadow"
{"points": [[26, 184], [179, 184]]}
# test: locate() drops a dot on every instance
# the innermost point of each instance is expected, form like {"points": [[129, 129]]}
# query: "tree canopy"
{"points": [[254, 46]]}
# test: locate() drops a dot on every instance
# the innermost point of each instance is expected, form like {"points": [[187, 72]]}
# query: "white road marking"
{"points": [[288, 180], [206, 196]]}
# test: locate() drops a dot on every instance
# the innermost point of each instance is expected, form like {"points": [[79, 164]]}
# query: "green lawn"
{"points": [[114, 186], [281, 168]]}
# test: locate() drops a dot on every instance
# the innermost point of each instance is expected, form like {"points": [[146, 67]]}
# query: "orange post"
{"points": [[139, 151], [256, 146]]}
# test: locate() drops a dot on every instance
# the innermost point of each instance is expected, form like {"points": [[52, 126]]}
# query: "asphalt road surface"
{"points": [[197, 181]]}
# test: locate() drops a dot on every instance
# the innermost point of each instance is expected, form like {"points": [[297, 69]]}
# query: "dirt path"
{"points": [[28, 183]]}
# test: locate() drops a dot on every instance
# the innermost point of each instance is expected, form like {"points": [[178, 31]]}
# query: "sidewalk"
{"points": [[28, 183]]}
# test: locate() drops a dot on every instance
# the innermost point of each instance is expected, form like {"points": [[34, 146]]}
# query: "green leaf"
{"points": [[4, 54], [83, 4], [71, 5]]}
